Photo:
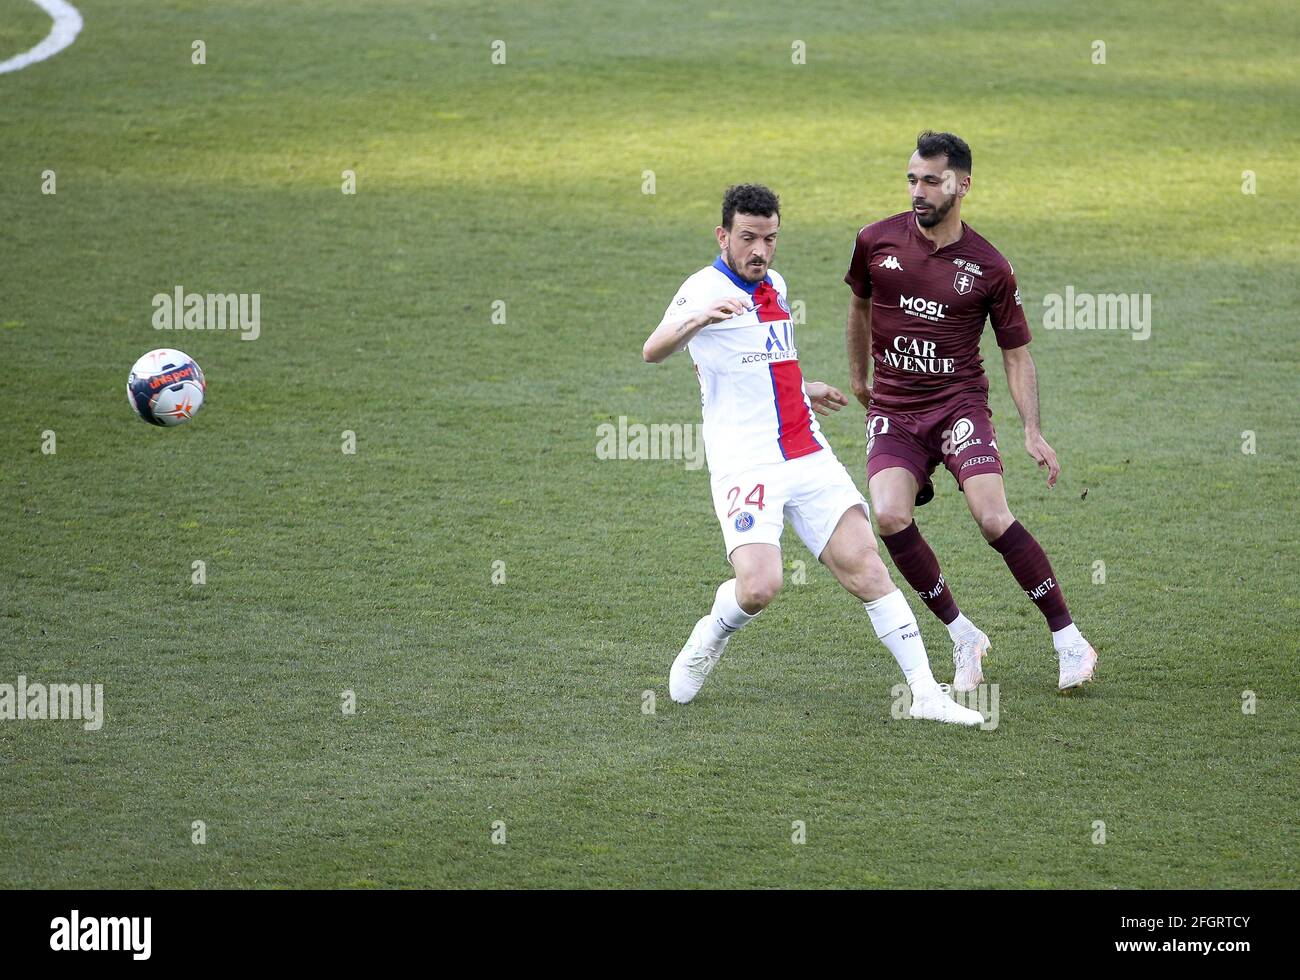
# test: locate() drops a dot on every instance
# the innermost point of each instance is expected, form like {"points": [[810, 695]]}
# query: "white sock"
{"points": [[960, 626], [896, 627], [726, 616], [1064, 637]]}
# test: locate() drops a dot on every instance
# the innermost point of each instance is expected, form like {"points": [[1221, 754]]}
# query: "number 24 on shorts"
{"points": [[754, 498]]}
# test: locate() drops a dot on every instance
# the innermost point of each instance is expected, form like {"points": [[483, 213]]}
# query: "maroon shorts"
{"points": [[958, 434]]}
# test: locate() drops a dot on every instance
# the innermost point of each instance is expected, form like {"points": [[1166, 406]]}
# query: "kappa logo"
{"points": [[890, 262], [962, 283]]}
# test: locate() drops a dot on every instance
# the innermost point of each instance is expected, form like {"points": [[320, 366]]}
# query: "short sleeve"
{"points": [[1005, 310], [687, 302], [859, 275]]}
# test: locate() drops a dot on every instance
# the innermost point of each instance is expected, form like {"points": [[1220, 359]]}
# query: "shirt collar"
{"points": [[929, 245], [727, 271]]}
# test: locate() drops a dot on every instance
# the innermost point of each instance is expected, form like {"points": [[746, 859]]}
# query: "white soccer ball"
{"points": [[166, 387]]}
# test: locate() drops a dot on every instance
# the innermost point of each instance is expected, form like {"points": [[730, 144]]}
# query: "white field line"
{"points": [[67, 25]]}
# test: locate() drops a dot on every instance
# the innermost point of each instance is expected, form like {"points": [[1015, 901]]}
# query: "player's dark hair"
{"points": [[930, 144], [749, 199]]}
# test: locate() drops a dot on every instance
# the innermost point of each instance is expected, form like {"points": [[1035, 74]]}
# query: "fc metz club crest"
{"points": [[962, 283]]}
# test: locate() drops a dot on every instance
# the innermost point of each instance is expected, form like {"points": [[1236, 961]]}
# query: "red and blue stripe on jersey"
{"points": [[793, 418]]}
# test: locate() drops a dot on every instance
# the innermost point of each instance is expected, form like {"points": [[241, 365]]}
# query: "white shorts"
{"points": [[814, 491]]}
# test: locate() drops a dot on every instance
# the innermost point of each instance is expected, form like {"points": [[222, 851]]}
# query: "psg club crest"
{"points": [[744, 521], [963, 283]]}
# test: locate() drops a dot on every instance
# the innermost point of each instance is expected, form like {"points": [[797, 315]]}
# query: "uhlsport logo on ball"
{"points": [[166, 387]]}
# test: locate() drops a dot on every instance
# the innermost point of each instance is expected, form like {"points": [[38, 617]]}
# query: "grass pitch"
{"points": [[521, 702]]}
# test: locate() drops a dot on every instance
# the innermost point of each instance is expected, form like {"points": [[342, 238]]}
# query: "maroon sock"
{"points": [[1029, 564], [921, 569]]}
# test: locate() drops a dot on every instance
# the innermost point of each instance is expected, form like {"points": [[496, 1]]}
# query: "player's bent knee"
{"points": [[993, 524], [755, 592], [866, 576], [891, 519], [874, 578]]}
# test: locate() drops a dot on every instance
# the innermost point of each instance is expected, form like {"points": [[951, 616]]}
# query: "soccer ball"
{"points": [[166, 387]]}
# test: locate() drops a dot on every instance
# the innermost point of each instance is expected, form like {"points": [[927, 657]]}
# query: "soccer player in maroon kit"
{"points": [[923, 284]]}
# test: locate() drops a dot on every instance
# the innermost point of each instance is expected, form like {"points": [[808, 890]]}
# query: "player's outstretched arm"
{"points": [[1022, 379], [859, 339], [673, 335]]}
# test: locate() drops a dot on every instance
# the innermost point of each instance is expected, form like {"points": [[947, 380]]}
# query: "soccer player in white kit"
{"points": [[768, 459]]}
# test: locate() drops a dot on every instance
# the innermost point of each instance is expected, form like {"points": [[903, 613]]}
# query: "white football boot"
{"points": [[1078, 661], [693, 665], [936, 705], [967, 653]]}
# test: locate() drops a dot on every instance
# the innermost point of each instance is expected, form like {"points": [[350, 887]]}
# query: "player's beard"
{"points": [[746, 271], [929, 219]]}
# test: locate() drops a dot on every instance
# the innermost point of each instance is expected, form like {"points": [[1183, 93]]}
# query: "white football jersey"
{"points": [[755, 408]]}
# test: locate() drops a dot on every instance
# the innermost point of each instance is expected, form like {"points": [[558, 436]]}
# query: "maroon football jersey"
{"points": [[928, 308]]}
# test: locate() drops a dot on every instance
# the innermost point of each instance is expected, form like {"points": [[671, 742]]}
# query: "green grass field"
{"points": [[521, 702]]}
